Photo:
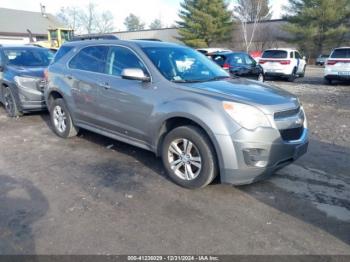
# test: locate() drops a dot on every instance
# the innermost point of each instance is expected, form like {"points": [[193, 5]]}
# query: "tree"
{"points": [[70, 17], [249, 10], [133, 23], [156, 24], [249, 13], [318, 24], [87, 20], [203, 22]]}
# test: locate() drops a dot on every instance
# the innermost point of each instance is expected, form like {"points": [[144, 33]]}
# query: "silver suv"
{"points": [[175, 102]]}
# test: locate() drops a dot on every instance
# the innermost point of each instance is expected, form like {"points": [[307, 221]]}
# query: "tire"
{"points": [[261, 77], [303, 73], [10, 103], [293, 76], [328, 81], [61, 119], [195, 169]]}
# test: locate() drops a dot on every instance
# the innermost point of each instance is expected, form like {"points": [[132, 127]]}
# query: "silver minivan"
{"points": [[175, 102]]}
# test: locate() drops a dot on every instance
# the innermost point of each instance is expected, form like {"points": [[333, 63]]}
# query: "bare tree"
{"points": [[87, 20], [249, 13]]}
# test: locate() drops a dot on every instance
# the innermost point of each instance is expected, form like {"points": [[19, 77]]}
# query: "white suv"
{"points": [[283, 63], [338, 65]]}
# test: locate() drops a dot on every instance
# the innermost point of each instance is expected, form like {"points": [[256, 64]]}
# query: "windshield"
{"points": [[180, 64], [30, 57], [275, 54], [341, 53]]}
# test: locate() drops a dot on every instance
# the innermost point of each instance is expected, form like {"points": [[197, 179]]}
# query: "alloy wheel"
{"points": [[59, 119], [184, 159], [9, 103]]}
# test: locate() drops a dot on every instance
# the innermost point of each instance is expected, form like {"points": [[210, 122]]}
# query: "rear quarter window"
{"points": [[341, 53], [275, 54], [61, 53]]}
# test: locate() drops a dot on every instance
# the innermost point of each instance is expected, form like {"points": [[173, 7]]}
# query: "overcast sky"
{"points": [[147, 10]]}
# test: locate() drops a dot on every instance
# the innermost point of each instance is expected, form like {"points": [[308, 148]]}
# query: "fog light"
{"points": [[256, 157]]}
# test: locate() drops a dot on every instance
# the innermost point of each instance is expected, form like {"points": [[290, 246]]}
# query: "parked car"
{"points": [[287, 63], [338, 65], [175, 102], [210, 50], [22, 78], [239, 64], [321, 60]]}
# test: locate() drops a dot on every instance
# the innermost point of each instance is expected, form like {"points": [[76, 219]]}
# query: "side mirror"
{"points": [[134, 74], [304, 57]]}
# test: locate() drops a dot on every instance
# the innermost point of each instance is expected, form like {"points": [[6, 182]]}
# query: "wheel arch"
{"points": [[176, 121]]}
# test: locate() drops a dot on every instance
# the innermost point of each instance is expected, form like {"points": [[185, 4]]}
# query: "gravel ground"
{"points": [[94, 195]]}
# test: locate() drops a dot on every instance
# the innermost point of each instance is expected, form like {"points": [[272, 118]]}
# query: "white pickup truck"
{"points": [[284, 62]]}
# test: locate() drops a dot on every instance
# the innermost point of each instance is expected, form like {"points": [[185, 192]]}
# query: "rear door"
{"points": [[85, 78]]}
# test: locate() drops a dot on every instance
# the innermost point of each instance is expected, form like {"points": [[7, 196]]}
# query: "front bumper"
{"points": [[273, 154], [30, 99]]}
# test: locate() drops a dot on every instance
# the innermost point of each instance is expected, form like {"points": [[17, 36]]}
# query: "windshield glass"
{"points": [[182, 64], [275, 54], [341, 53], [28, 57], [66, 35]]}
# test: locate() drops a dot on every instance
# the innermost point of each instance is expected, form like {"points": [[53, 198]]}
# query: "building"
{"points": [[268, 34], [15, 23]]}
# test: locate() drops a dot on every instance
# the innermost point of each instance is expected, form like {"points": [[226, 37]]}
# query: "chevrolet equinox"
{"points": [[175, 102]]}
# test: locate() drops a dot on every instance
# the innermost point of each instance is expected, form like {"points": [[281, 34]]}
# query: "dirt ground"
{"points": [[94, 195]]}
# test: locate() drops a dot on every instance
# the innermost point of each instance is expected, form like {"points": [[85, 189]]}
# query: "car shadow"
{"points": [[21, 205]]}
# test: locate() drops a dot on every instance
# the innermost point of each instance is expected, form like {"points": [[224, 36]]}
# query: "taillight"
{"points": [[226, 66], [262, 61], [331, 62], [285, 62]]}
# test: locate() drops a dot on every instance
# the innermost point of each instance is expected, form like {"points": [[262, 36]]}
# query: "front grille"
{"points": [[292, 134]]}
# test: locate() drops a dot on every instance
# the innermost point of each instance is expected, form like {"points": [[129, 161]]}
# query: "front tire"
{"points": [[189, 157], [261, 77], [61, 119], [10, 103]]}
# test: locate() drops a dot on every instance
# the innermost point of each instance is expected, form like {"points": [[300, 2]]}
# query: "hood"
{"points": [[28, 71], [267, 98]]}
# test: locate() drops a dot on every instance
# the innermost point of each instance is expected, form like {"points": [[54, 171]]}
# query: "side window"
{"points": [[61, 53], [92, 58], [297, 55], [120, 58], [291, 54], [249, 60]]}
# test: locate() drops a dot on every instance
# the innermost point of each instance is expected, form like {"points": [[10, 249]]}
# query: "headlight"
{"points": [[246, 116], [28, 82]]}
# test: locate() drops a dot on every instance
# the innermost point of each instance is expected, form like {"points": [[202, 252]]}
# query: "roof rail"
{"points": [[149, 39], [95, 37]]}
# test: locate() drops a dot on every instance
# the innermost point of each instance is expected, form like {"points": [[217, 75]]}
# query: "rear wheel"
{"points": [[293, 76], [61, 119], [10, 103], [189, 157]]}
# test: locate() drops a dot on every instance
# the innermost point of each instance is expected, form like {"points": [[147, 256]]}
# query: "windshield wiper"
{"points": [[187, 81], [217, 78]]}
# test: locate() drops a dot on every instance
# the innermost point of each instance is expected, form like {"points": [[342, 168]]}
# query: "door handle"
{"points": [[69, 77], [105, 85]]}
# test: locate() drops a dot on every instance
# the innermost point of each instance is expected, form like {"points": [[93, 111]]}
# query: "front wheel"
{"points": [[189, 157], [61, 119], [10, 103], [261, 77]]}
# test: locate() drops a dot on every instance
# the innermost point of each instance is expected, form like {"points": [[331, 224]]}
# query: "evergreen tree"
{"points": [[318, 24], [133, 23], [156, 24], [203, 22]]}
